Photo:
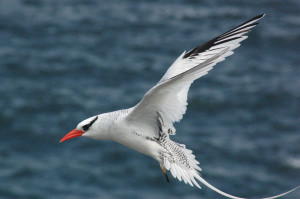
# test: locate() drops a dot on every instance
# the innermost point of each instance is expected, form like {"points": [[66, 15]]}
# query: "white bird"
{"points": [[147, 126]]}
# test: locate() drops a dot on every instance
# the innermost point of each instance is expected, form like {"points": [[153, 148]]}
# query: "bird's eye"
{"points": [[85, 127]]}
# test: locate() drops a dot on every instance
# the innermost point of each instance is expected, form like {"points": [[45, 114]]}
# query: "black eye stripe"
{"points": [[87, 126], [94, 120]]}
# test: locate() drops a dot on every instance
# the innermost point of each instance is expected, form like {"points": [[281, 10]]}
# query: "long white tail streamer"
{"points": [[235, 197]]}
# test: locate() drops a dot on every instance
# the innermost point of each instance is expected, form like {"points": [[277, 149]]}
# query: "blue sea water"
{"points": [[62, 61]]}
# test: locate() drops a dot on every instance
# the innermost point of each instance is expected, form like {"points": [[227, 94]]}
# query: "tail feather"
{"points": [[235, 197], [182, 164]]}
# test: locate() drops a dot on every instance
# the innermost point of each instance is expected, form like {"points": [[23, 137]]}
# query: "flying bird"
{"points": [[147, 126]]}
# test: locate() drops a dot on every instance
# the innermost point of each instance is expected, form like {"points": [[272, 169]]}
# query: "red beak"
{"points": [[74, 133]]}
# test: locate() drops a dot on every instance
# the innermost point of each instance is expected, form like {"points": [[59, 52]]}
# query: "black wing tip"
{"points": [[211, 42], [260, 16], [256, 18]]}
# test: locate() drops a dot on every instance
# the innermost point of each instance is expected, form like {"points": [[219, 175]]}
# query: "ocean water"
{"points": [[62, 61]]}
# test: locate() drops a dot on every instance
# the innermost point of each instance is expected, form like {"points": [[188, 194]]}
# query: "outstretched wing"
{"points": [[169, 96], [231, 39]]}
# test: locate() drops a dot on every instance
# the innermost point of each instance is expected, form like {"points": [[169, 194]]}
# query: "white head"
{"points": [[88, 127]]}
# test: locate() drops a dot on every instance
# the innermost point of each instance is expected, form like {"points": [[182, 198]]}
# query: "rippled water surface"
{"points": [[62, 61]]}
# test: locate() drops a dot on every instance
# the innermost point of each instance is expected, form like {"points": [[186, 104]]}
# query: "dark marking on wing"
{"points": [[201, 48], [227, 40], [222, 38]]}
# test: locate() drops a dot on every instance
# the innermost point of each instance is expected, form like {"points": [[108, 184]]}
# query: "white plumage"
{"points": [[146, 127]]}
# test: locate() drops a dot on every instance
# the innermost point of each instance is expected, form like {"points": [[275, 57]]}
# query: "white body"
{"points": [[122, 132]]}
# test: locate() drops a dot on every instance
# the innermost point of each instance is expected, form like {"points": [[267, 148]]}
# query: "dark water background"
{"points": [[62, 61]]}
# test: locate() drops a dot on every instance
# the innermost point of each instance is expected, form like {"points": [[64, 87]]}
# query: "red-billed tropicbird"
{"points": [[146, 127]]}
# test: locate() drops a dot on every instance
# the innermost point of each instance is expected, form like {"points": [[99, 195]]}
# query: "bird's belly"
{"points": [[140, 144]]}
